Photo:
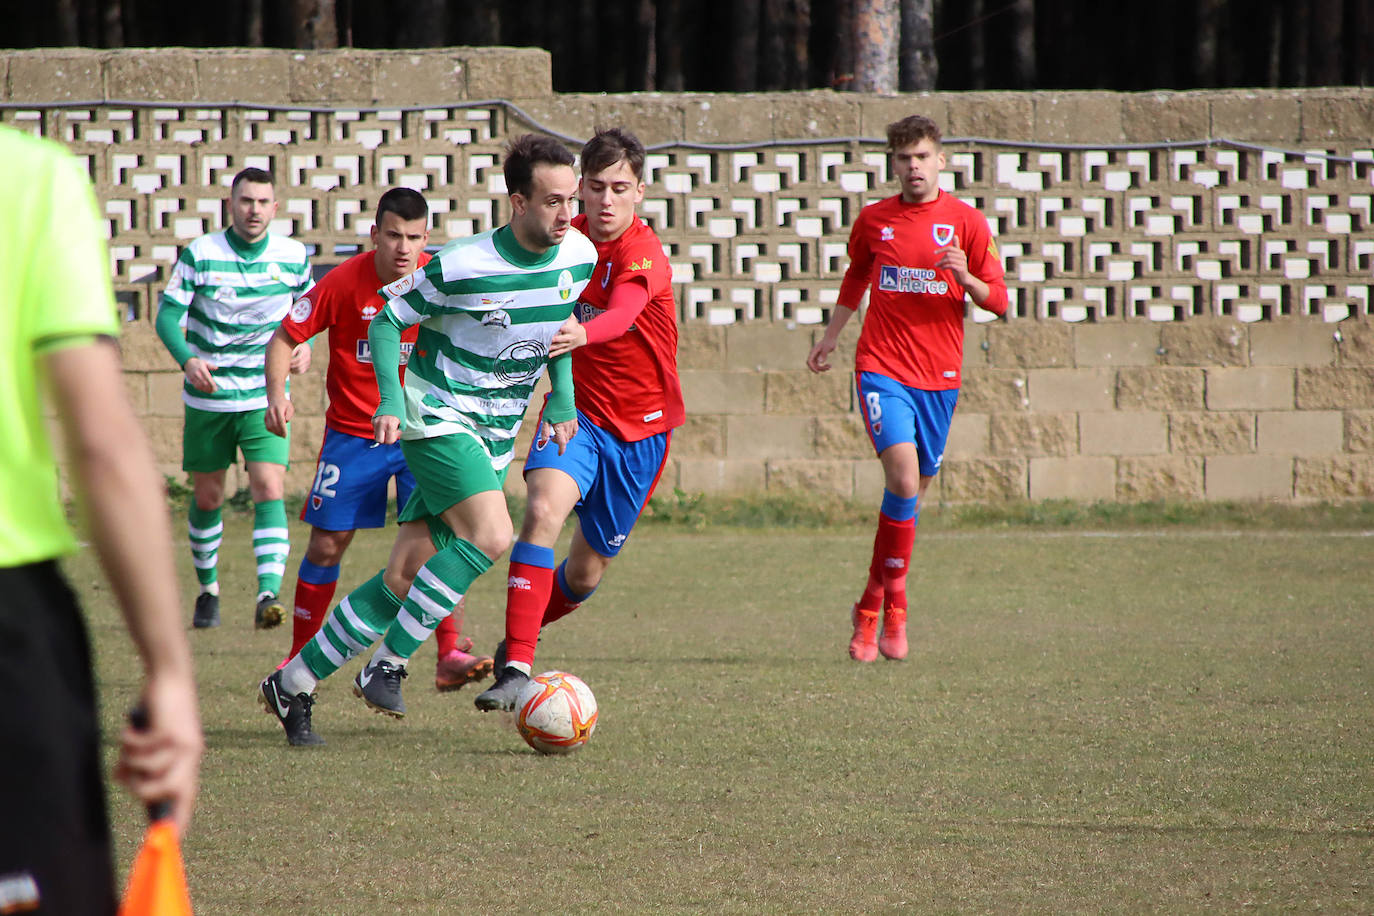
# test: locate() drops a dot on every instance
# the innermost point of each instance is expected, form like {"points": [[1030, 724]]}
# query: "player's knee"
{"points": [[396, 579], [326, 548], [494, 540]]}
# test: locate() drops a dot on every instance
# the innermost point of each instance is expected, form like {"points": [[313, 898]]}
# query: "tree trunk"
{"points": [[68, 30], [1023, 68], [424, 24], [977, 46], [842, 51], [1206, 42], [799, 46], [313, 26], [645, 73], [1361, 39], [773, 46], [252, 23], [919, 66], [877, 27], [112, 24], [744, 45], [1324, 56], [670, 40]]}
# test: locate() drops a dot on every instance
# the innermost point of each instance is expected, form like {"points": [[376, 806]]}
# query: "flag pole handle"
{"points": [[138, 718]]}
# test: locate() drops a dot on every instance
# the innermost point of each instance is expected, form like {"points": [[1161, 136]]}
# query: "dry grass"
{"points": [[1171, 720]]}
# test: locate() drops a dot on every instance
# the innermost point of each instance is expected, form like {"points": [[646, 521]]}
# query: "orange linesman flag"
{"points": [[157, 881]]}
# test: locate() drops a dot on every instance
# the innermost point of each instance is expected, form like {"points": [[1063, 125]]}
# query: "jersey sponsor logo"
{"points": [[301, 309], [943, 233], [519, 582], [585, 311], [364, 351], [497, 319], [402, 286], [565, 285], [521, 361], [887, 234], [894, 279]]}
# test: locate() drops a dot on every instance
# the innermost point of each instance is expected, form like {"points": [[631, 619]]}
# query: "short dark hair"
{"points": [[608, 146], [525, 152], [256, 176], [405, 203], [912, 129]]}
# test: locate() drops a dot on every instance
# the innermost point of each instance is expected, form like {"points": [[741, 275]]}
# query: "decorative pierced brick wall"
{"points": [[1190, 319]]}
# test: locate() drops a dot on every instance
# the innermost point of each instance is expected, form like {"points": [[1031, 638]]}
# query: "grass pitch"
{"points": [[1174, 719]]}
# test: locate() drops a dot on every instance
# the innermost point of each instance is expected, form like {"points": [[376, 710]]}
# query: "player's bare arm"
{"points": [[300, 359], [279, 361], [198, 373], [818, 360]]}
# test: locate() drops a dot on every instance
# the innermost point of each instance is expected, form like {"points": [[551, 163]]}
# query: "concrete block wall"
{"points": [[1121, 405], [1119, 412]]}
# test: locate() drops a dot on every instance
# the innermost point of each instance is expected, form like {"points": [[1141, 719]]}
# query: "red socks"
{"points": [[892, 547], [527, 592], [312, 604]]}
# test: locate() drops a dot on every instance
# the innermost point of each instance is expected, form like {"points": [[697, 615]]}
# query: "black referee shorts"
{"points": [[54, 830]]}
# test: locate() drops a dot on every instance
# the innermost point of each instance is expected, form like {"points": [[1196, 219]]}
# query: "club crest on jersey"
{"points": [[402, 286], [943, 233], [274, 272], [300, 310], [521, 362], [565, 285], [887, 234]]}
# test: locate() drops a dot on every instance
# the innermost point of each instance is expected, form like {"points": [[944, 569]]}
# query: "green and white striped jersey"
{"points": [[487, 309], [234, 296]]}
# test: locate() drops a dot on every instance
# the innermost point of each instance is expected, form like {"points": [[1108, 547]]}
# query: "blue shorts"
{"points": [[351, 482], [616, 479], [894, 413]]}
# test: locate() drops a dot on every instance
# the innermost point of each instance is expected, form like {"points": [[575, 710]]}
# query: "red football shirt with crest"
{"points": [[914, 328], [629, 384], [344, 303]]}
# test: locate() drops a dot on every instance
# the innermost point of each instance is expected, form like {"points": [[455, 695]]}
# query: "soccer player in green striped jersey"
{"points": [[231, 289], [487, 308]]}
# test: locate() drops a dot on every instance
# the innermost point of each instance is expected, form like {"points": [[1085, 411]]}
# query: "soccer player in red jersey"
{"points": [[624, 358], [918, 254], [350, 488]]}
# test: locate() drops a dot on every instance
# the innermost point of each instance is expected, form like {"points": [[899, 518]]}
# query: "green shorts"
{"points": [[448, 469], [210, 438]]}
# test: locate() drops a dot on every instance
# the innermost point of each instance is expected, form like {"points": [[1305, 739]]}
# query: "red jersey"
{"points": [[629, 384], [345, 302], [914, 328]]}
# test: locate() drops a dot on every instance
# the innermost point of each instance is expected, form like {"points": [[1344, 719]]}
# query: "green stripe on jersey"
{"points": [[235, 296], [485, 326]]}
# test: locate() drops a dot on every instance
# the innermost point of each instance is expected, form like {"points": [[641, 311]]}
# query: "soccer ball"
{"points": [[555, 713]]}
